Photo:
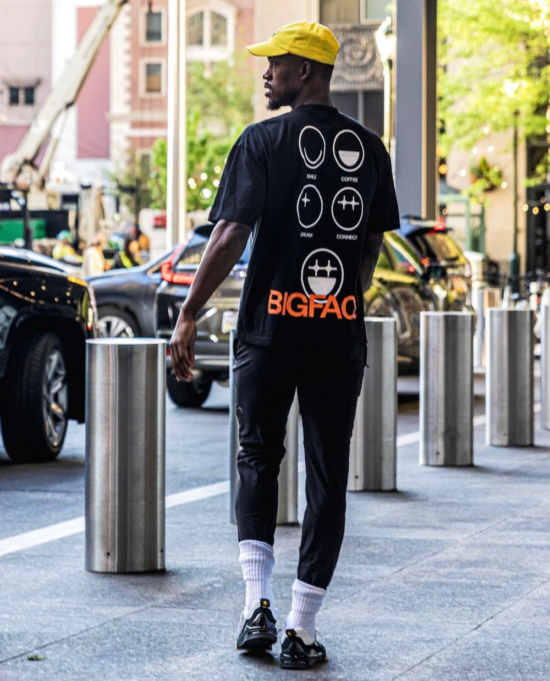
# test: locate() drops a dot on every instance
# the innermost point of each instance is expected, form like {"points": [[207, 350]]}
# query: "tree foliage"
{"points": [[219, 102], [494, 69]]}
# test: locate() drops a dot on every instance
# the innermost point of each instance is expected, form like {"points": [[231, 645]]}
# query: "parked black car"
{"points": [[46, 315], [125, 299], [398, 291]]}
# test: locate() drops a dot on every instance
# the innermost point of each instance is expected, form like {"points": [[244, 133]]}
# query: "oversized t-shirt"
{"points": [[310, 183]]}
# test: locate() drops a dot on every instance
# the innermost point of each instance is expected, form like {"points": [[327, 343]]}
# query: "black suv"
{"points": [[46, 315]]}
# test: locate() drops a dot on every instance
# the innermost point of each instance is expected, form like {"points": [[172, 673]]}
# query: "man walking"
{"points": [[314, 192]]}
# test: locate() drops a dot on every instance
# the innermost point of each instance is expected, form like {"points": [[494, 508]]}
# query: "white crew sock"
{"points": [[306, 603], [257, 560]]}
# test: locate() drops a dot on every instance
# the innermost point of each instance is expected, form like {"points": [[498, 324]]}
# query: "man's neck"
{"points": [[320, 98]]}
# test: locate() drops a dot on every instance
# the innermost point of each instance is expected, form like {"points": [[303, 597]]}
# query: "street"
{"points": [[446, 579]]}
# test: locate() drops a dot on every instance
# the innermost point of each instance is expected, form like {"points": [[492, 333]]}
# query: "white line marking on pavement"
{"points": [[45, 535], [42, 536], [61, 530]]}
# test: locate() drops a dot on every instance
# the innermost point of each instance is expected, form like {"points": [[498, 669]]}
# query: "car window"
{"points": [[154, 266], [384, 259], [193, 253], [405, 259], [441, 247]]}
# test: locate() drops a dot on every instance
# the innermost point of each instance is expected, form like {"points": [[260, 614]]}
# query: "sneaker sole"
{"points": [[300, 662], [260, 641]]}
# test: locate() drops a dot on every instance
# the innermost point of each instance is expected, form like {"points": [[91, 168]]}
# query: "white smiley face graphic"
{"points": [[312, 146], [309, 206], [347, 208], [348, 150], [322, 273]]}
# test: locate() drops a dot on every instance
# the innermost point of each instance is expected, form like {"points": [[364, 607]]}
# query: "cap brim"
{"points": [[265, 49]]}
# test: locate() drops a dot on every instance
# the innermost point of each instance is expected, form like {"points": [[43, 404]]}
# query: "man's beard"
{"points": [[273, 104]]}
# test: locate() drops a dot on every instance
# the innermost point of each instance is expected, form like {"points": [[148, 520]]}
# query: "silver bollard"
{"points": [[483, 297], [125, 454], [509, 378], [446, 389], [373, 450], [545, 362], [288, 476]]}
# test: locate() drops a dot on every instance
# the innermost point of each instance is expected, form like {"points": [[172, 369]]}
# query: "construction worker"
{"points": [[63, 247]]}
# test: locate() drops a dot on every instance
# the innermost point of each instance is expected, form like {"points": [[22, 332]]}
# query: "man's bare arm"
{"points": [[225, 247], [371, 251]]}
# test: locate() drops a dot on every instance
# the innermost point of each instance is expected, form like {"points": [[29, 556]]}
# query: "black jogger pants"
{"points": [[328, 380]]}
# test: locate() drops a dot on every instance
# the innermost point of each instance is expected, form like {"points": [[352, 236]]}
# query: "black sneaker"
{"points": [[258, 632], [298, 651]]}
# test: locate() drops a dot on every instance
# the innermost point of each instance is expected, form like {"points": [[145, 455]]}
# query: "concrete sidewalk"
{"points": [[448, 579]]}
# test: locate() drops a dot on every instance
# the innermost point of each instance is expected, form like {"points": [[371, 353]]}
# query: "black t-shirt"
{"points": [[311, 183]]}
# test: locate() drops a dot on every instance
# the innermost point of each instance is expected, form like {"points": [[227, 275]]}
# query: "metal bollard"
{"points": [[545, 362], [125, 447], [288, 476], [373, 450], [509, 378], [483, 297], [446, 389]]}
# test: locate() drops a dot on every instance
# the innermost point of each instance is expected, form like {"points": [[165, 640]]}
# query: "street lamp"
{"points": [[385, 43], [511, 88]]}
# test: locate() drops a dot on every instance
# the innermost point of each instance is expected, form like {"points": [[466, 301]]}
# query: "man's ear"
{"points": [[305, 70]]}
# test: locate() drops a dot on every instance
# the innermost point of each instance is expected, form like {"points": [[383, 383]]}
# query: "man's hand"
{"points": [[182, 347]]}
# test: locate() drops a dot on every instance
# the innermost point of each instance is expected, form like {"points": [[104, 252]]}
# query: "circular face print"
{"points": [[312, 146], [322, 273], [309, 206], [347, 208], [348, 150]]}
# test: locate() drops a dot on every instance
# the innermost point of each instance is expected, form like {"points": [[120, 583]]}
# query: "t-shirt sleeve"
{"points": [[384, 211], [243, 187]]}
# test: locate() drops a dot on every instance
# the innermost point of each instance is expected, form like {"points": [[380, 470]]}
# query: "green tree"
{"points": [[495, 70], [206, 154]]}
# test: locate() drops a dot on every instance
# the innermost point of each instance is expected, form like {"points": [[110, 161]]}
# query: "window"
{"points": [[375, 10], [153, 78], [196, 29], [219, 29], [29, 96], [383, 260], [14, 96], [192, 254], [339, 12], [21, 95], [211, 32], [153, 27], [406, 262]]}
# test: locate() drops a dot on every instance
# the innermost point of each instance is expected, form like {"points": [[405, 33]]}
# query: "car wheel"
{"points": [[35, 419], [190, 395], [116, 323]]}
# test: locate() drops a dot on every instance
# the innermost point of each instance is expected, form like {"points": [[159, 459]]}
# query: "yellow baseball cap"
{"points": [[306, 39]]}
